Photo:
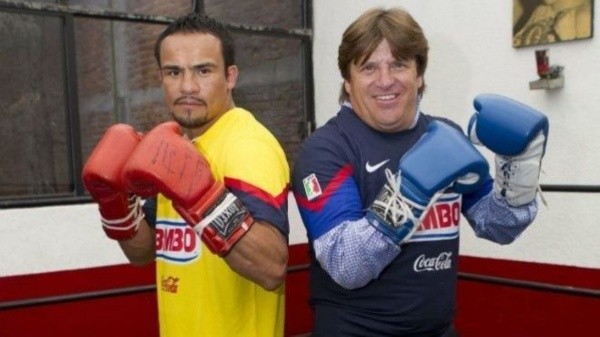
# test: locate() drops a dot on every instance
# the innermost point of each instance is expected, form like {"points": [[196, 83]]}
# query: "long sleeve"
{"points": [[493, 219], [354, 253]]}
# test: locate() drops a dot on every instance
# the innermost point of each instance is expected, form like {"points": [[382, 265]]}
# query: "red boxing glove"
{"points": [[119, 210], [166, 162]]}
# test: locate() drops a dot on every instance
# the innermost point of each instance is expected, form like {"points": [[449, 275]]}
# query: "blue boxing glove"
{"points": [[442, 158], [517, 134]]}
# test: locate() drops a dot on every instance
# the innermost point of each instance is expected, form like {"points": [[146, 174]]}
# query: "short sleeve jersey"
{"points": [[337, 175], [198, 293]]}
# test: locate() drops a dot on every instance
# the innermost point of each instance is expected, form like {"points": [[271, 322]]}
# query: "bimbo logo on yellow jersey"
{"points": [[176, 242]]}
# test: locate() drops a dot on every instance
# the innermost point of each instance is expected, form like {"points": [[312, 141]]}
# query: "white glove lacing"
{"points": [[402, 209], [135, 212], [517, 177]]}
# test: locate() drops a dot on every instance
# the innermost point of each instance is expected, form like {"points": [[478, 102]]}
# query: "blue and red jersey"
{"points": [[336, 177]]}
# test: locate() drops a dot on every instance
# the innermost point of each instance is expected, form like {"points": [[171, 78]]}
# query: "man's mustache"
{"points": [[187, 99]]}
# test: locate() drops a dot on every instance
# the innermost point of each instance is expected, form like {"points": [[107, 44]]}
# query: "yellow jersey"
{"points": [[198, 294]]}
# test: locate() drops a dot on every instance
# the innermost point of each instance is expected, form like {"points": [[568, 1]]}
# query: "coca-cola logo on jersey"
{"points": [[435, 263]]}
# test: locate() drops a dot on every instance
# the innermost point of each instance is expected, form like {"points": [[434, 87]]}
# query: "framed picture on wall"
{"points": [[538, 22]]}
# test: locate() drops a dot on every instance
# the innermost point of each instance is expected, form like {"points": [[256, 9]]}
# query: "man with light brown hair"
{"points": [[382, 185]]}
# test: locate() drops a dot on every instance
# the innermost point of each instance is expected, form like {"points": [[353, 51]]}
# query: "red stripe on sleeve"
{"points": [[274, 200], [338, 179]]}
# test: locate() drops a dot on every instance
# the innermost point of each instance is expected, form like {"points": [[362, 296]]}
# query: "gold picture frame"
{"points": [[540, 22]]}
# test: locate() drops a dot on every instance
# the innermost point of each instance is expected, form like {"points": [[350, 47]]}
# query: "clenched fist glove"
{"points": [[442, 158], [120, 211], [517, 134], [165, 162]]}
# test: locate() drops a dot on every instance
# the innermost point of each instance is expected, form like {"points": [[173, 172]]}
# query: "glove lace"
{"points": [[400, 209], [395, 207], [539, 189], [508, 169], [135, 212]]}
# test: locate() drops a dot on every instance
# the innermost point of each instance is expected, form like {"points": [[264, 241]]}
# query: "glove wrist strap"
{"points": [[219, 218]]}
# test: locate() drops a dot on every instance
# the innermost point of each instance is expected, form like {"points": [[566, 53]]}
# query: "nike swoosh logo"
{"points": [[372, 168]]}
